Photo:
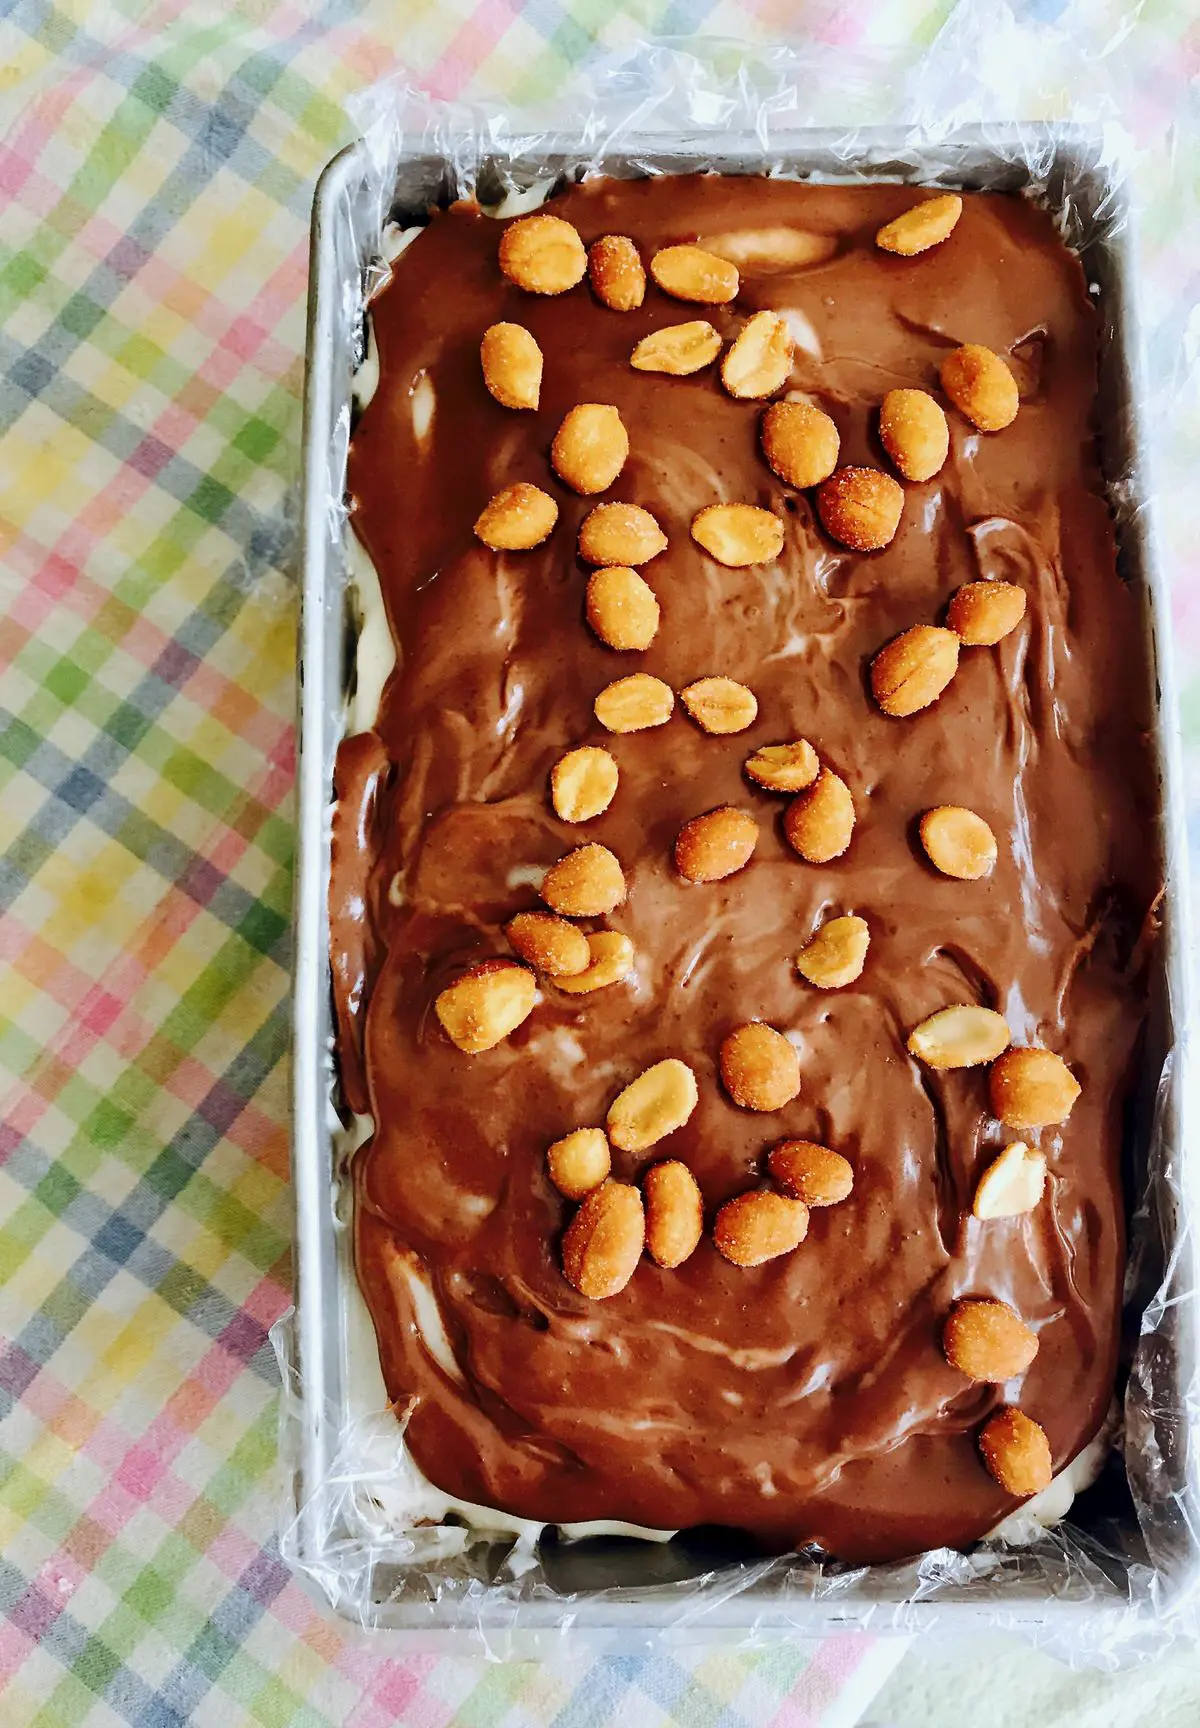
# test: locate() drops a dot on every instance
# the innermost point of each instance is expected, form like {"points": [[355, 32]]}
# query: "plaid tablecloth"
{"points": [[156, 170]]}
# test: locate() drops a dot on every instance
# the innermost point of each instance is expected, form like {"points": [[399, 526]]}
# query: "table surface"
{"points": [[157, 160]]}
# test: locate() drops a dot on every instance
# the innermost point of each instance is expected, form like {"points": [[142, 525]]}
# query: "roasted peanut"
{"points": [[1032, 1088], [809, 1172], [616, 272], [620, 534], [981, 386], [836, 954], [800, 443], [911, 671], [691, 273], [860, 507], [921, 226], [759, 1067], [677, 349], [635, 703], [715, 845], [579, 1162], [590, 447], [549, 943], [1012, 1183], [984, 613], [654, 1105], [1016, 1452], [965, 1036], [517, 518], [512, 365], [610, 958], [738, 535], [720, 705], [913, 430], [542, 254], [674, 1213], [621, 607], [784, 767], [583, 784], [987, 1340], [959, 843], [604, 1241], [759, 360], [820, 822], [487, 1003], [586, 883], [753, 1228]]}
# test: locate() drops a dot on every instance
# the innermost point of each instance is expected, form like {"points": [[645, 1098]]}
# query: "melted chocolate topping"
{"points": [[807, 1400]]}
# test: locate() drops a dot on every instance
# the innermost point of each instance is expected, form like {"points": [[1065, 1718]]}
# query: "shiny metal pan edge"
{"points": [[1028, 1590]]}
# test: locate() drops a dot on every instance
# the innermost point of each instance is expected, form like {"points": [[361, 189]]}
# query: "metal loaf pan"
{"points": [[1056, 1586]]}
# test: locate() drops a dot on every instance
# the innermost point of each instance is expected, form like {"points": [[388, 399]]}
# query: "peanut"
{"points": [[488, 1002], [861, 508], [959, 843], [1032, 1088], [604, 1241], [547, 942], [579, 1162], [677, 349], [921, 226], [620, 534], [691, 273], [616, 272], [754, 1228], [622, 608], [812, 1173], [590, 447], [586, 883], [1016, 1452], [911, 671], [715, 845], [738, 535], [984, 613], [674, 1213], [759, 360], [988, 1341], [981, 386], [610, 958], [913, 430], [583, 784], [635, 703], [800, 443], [654, 1105], [542, 254], [1012, 1183], [759, 1067], [512, 365], [517, 518], [965, 1036], [720, 705], [819, 823], [836, 954]]}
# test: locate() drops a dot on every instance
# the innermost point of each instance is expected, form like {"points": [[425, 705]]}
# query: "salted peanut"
{"points": [[981, 386], [512, 365], [860, 508], [604, 1241], [784, 767], [754, 1228], [621, 607], [720, 705], [1016, 1452], [517, 518], [987, 1340], [738, 534], [964, 1036], [759, 1068], [958, 842], [1012, 1184], [677, 349], [635, 703], [620, 534], [542, 254], [715, 845], [586, 883], [548, 942], [674, 1213], [654, 1105], [983, 613], [819, 823], [913, 669], [836, 955], [1032, 1088], [924, 225], [763, 251], [579, 1162], [691, 273], [590, 447], [583, 784], [800, 443], [610, 958], [616, 272], [809, 1172], [914, 433], [487, 1003], [759, 359]]}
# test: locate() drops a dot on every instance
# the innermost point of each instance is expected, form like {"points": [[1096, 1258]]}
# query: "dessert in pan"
{"points": [[741, 908]]}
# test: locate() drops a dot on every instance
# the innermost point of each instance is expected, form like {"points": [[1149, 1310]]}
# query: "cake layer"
{"points": [[807, 1400]]}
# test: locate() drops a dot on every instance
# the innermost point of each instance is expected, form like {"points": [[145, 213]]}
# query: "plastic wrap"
{"points": [[1121, 1572]]}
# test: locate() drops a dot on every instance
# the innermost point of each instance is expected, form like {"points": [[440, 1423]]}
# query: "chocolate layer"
{"points": [[805, 1401]]}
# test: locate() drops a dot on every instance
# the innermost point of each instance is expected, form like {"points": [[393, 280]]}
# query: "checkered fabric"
{"points": [[157, 161]]}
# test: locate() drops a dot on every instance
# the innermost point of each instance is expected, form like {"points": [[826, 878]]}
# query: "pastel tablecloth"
{"points": [[156, 171]]}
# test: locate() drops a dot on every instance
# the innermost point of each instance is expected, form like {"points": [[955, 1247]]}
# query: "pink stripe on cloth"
{"points": [[835, 1659], [470, 47]]}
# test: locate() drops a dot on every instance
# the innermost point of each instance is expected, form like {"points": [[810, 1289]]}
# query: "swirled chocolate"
{"points": [[806, 1400]]}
